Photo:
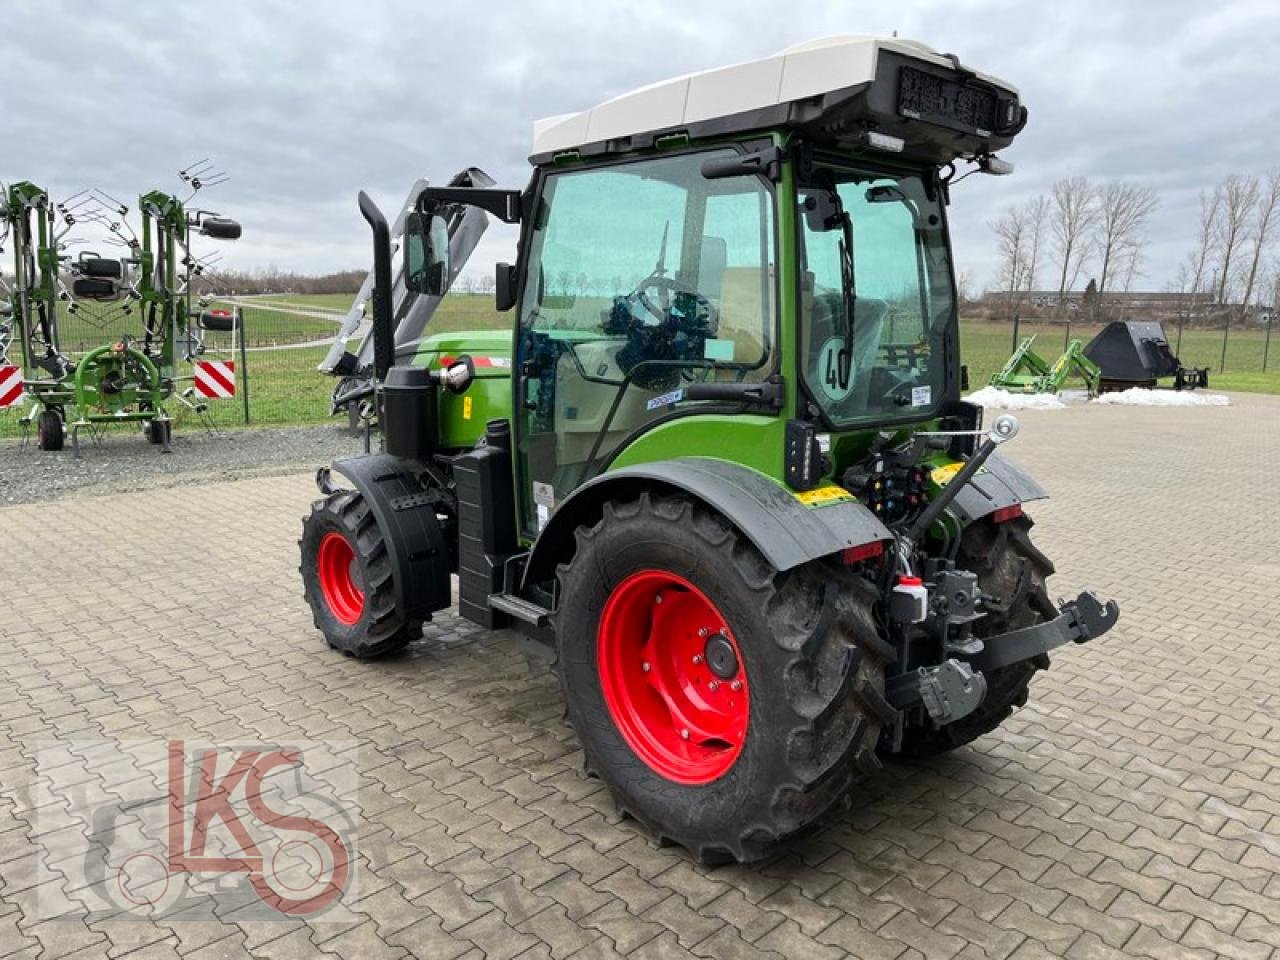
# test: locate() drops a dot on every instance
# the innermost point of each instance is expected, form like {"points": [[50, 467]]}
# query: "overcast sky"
{"points": [[305, 103]]}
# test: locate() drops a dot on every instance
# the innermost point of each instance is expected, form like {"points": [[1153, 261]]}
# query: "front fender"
{"points": [[787, 530], [406, 515]]}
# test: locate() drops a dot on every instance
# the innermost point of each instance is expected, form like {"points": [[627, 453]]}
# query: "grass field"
{"points": [[286, 388], [986, 346]]}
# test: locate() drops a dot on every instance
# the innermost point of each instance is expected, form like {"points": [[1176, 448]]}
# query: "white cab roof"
{"points": [[805, 70]]}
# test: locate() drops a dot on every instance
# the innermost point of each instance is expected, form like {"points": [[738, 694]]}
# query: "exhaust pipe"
{"points": [[383, 348]]}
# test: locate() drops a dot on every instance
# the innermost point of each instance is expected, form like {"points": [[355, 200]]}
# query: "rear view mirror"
{"points": [[506, 287], [426, 254]]}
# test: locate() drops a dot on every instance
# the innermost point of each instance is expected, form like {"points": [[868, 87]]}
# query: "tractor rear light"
{"points": [[866, 551], [1005, 514]]}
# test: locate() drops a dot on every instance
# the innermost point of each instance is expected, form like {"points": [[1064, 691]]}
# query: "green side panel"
{"points": [[462, 417], [749, 439]]}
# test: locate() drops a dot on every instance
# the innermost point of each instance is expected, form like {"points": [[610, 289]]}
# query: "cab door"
{"points": [[641, 277]]}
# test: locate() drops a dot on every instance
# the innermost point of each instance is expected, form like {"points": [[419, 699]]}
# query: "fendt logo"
{"points": [[261, 829]]}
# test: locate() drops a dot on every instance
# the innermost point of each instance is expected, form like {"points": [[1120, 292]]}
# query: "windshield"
{"points": [[892, 363]]}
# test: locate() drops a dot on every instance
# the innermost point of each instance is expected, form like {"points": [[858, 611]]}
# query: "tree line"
{"points": [[1101, 231], [272, 280]]}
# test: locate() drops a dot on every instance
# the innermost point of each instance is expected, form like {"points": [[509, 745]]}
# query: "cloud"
{"points": [[304, 104]]}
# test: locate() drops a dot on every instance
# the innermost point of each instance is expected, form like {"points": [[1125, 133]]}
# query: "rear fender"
{"points": [[404, 508], [1000, 483], [785, 529]]}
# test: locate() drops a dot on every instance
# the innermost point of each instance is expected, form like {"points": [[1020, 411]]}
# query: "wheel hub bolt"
{"points": [[713, 686], [684, 734], [736, 686], [703, 631], [697, 659], [657, 598], [645, 666]]}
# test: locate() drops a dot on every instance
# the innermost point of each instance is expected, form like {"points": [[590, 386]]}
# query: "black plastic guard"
{"points": [[406, 514], [1000, 483], [782, 527]]}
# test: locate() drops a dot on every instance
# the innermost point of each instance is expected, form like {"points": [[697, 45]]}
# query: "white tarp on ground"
{"points": [[1142, 397], [993, 398]]}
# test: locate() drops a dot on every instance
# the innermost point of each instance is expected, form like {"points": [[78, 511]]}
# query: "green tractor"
{"points": [[720, 469]]}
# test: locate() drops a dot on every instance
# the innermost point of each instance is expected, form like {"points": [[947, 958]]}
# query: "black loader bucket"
{"points": [[1136, 353]]}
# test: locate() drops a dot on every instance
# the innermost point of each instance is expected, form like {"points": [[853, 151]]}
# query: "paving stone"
{"points": [[1131, 808]]}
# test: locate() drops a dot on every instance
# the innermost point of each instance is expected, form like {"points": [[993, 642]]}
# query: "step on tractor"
{"points": [[719, 468], [140, 302]]}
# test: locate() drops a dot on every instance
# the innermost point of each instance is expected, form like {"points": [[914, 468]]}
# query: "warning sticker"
{"points": [[944, 475], [921, 396], [824, 495], [675, 396]]}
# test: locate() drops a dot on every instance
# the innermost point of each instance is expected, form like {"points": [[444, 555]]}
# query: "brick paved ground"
{"points": [[1132, 808]]}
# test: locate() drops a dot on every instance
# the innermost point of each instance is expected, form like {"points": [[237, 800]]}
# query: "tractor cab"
{"points": [[720, 468], [731, 245]]}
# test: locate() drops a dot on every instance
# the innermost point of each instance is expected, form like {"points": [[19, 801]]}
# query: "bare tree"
{"points": [[1011, 237], [1198, 261], [1071, 215], [1122, 215], [1267, 212], [1239, 195], [1129, 262], [1035, 216]]}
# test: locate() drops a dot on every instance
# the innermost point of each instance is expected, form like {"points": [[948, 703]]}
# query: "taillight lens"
{"points": [[1005, 514], [865, 551]]}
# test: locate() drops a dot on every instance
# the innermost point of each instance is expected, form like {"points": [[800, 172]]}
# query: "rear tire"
{"points": [[346, 575], [158, 431], [809, 657], [1013, 572], [50, 434]]}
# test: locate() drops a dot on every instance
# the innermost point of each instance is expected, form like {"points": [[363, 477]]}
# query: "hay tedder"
{"points": [[718, 469], [142, 299]]}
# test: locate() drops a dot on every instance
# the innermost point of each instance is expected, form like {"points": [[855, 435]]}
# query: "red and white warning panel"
{"points": [[216, 378], [10, 385]]}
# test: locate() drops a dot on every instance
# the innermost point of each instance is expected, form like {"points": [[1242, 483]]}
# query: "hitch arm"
{"points": [[1080, 620]]}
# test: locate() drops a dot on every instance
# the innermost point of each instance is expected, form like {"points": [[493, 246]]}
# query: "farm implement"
{"points": [[1027, 372], [719, 469], [1136, 353], [143, 299]]}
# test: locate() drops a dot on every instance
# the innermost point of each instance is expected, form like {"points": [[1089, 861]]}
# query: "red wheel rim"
{"points": [[343, 595], [686, 721]]}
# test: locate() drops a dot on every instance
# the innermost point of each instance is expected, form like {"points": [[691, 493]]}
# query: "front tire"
{"points": [[725, 772], [1012, 573], [346, 576]]}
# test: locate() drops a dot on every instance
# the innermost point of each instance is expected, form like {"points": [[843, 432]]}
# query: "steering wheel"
{"points": [[664, 286]]}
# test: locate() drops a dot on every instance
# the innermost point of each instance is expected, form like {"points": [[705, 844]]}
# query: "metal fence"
{"points": [[276, 351]]}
